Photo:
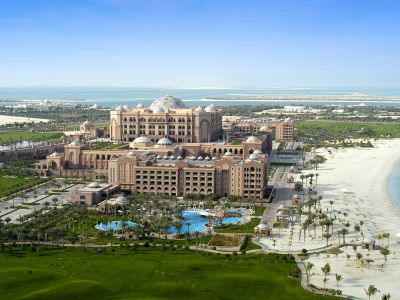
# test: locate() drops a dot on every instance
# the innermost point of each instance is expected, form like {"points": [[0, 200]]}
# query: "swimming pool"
{"points": [[114, 225], [194, 221], [241, 211]]}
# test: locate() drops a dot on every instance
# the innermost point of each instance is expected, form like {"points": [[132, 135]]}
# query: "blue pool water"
{"points": [[197, 222], [394, 185], [242, 211], [113, 225]]}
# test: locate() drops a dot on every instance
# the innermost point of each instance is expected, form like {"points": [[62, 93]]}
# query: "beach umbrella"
{"points": [[345, 190], [398, 234]]}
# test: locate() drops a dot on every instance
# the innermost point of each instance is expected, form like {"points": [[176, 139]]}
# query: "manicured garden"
{"points": [[240, 228], [336, 130], [14, 183], [146, 273], [16, 136]]}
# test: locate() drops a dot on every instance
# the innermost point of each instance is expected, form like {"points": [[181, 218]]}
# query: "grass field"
{"points": [[146, 274], [8, 185], [335, 130], [15, 136], [244, 228]]}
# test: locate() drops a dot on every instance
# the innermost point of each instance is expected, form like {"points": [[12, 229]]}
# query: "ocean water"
{"points": [[394, 185], [112, 97]]}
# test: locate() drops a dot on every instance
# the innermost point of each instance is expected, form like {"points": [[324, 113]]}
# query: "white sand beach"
{"points": [[12, 119], [356, 181], [365, 173]]}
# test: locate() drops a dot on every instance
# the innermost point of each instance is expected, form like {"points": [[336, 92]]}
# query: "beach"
{"points": [[353, 183], [12, 119], [365, 174]]}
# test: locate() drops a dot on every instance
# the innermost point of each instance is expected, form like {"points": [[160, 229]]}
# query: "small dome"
{"points": [[253, 156], [94, 185], [172, 157], [368, 241], [158, 110], [262, 226], [199, 109], [142, 139], [211, 108], [55, 154], [228, 153], [122, 199], [140, 105], [131, 153], [167, 102], [264, 128], [126, 107], [200, 158], [159, 156], [120, 108], [166, 157], [207, 158], [75, 143], [252, 139], [179, 157], [214, 158], [193, 158], [164, 142], [257, 151]]}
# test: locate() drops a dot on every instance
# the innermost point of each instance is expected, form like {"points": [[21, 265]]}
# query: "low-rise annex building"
{"points": [[93, 193]]}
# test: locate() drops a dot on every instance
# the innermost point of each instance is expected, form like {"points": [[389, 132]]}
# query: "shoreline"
{"points": [[366, 174], [6, 120], [390, 196]]}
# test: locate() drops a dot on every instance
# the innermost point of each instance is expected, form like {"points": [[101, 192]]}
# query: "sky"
{"points": [[200, 43]]}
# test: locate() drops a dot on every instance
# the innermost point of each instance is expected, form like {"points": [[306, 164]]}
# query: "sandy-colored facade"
{"points": [[180, 125], [225, 176], [284, 129]]}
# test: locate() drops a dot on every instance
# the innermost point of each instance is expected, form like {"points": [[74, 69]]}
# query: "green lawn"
{"points": [[105, 146], [336, 130], [14, 136], [245, 228], [8, 185], [146, 274]]}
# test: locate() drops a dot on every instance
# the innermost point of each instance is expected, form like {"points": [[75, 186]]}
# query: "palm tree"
{"points": [[188, 232], [387, 236], [309, 266], [359, 256], [326, 269], [338, 278], [386, 296], [327, 236], [343, 232], [371, 291], [197, 234], [357, 229], [385, 252]]}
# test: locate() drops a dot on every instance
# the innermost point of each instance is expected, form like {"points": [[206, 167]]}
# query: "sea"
{"points": [[112, 97]]}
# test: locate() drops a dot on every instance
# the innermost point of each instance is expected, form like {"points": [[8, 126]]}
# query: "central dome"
{"points": [[167, 102]]}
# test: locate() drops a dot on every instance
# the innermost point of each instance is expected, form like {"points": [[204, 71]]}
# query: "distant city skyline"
{"points": [[200, 43]]}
